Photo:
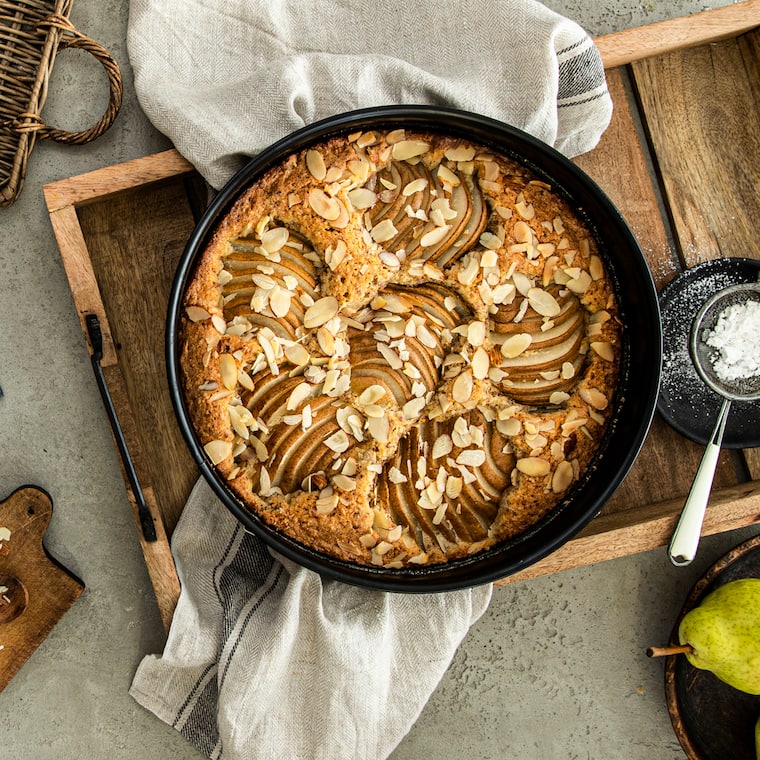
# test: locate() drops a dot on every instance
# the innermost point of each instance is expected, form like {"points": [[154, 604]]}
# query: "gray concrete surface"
{"points": [[555, 669]]}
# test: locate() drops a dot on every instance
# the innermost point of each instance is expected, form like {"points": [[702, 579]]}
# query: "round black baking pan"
{"points": [[636, 396]]}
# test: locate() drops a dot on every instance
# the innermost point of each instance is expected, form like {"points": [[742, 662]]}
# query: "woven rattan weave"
{"points": [[31, 33]]}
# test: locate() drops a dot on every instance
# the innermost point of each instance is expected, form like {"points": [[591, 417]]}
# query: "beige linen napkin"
{"points": [[266, 659]]}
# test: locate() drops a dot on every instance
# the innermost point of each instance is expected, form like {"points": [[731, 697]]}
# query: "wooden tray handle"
{"points": [[70, 37]]}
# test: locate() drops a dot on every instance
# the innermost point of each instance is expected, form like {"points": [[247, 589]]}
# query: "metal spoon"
{"points": [[683, 545]]}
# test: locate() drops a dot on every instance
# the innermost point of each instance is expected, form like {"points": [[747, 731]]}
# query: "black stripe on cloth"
{"points": [[238, 580], [275, 582], [580, 73], [200, 728]]}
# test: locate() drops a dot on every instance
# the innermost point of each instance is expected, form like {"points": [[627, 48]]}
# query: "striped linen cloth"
{"points": [[266, 659]]}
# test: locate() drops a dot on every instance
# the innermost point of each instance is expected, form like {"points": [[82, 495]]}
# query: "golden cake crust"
{"points": [[400, 348]]}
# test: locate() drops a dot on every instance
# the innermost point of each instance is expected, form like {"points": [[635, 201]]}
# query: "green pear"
{"points": [[724, 633]]}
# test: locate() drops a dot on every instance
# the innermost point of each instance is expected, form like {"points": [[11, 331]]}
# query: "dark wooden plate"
{"points": [[712, 720]]}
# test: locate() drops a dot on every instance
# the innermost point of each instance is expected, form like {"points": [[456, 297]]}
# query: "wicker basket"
{"points": [[31, 33]]}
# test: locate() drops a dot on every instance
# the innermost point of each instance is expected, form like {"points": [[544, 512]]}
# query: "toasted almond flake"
{"points": [[344, 482], [279, 302], [476, 333], [594, 397], [471, 457], [595, 268], [274, 239], [415, 186], [447, 176], [572, 425], [413, 408], [371, 394], [604, 350], [580, 284], [228, 371], [406, 149], [320, 312], [362, 198], [327, 504], [326, 341], [327, 207], [425, 337], [524, 209], [390, 260], [558, 397], [492, 243], [383, 231], [522, 283], [543, 302], [460, 153], [315, 163], [219, 323], [334, 255], [469, 271], [396, 476], [461, 390], [218, 451], [298, 395], [373, 410], [442, 446], [337, 442], [196, 313], [297, 354], [516, 344], [481, 363], [237, 423], [509, 427], [453, 486], [563, 477], [390, 356], [533, 466], [599, 317], [434, 236], [379, 428]]}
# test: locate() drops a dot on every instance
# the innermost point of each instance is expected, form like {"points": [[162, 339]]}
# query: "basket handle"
{"points": [[70, 37]]}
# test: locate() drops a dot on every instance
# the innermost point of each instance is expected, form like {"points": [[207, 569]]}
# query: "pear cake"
{"points": [[400, 348]]}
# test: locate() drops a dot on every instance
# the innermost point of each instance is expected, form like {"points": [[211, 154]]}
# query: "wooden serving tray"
{"points": [[682, 145]]}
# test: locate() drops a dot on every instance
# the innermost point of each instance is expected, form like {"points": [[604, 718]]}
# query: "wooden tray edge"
{"points": [[628, 45]]}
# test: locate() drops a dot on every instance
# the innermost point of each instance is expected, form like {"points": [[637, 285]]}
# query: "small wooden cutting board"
{"points": [[35, 591]]}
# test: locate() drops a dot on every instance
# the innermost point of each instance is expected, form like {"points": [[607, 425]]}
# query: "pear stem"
{"points": [[664, 651]]}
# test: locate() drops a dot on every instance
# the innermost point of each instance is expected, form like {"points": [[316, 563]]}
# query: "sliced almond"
{"points": [[362, 198], [480, 363], [533, 466], [320, 312], [196, 313], [604, 350], [218, 451], [383, 231], [543, 302], [315, 163], [461, 390], [516, 344], [406, 149], [563, 477], [327, 207], [594, 397], [228, 371]]}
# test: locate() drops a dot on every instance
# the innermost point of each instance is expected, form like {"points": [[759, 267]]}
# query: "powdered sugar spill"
{"points": [[736, 337]]}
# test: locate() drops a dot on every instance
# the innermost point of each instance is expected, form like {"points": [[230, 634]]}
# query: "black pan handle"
{"points": [[96, 341]]}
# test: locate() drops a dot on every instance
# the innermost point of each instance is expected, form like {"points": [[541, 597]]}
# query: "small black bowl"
{"points": [[636, 396]]}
